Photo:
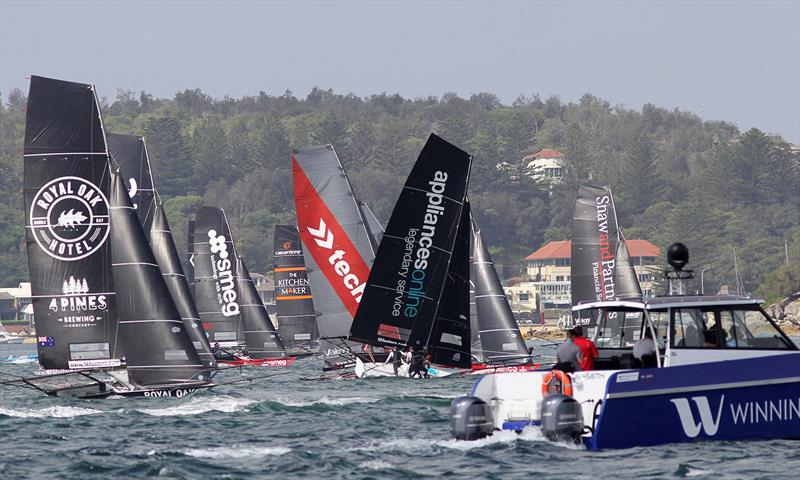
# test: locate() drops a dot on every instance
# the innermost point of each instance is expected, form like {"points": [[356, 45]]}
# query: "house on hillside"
{"points": [[546, 164], [548, 272], [15, 305]]}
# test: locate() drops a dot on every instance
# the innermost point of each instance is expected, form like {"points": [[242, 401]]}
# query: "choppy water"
{"points": [[287, 428]]}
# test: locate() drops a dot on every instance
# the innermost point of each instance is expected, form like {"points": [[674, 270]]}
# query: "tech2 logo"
{"points": [[69, 218], [708, 423]]}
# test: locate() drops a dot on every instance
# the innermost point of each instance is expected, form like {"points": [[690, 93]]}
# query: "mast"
{"points": [[215, 292], [297, 321], [405, 287], [158, 350], [499, 333], [337, 248], [66, 187]]}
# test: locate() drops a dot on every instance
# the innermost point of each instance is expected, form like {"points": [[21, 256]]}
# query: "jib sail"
{"points": [[600, 269], [168, 260], [66, 186], [501, 340], [261, 339], [404, 291], [129, 153], [297, 322], [374, 227], [158, 350], [336, 247], [215, 292], [450, 341]]}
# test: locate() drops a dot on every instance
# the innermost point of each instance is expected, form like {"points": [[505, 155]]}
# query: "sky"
{"points": [[737, 61]]}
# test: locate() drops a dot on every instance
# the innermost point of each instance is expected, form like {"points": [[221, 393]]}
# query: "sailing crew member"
{"points": [[415, 369], [216, 352], [644, 346], [396, 357], [568, 355], [426, 362], [588, 350]]}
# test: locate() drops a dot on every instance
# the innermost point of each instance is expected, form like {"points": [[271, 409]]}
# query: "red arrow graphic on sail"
{"points": [[320, 234]]}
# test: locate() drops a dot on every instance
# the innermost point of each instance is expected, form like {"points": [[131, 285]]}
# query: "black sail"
{"points": [[404, 290], [374, 227], [129, 154], [451, 341], [66, 186], [501, 341], [597, 271], [260, 336], [297, 322], [215, 292], [336, 246], [158, 350], [168, 260]]}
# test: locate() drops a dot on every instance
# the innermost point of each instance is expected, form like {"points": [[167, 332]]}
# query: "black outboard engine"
{"points": [[562, 418], [470, 418]]}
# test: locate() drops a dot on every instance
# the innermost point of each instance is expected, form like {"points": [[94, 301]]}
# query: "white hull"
{"points": [[375, 370]]}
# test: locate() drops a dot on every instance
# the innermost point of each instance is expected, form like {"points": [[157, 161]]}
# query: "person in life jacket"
{"points": [[216, 352]]}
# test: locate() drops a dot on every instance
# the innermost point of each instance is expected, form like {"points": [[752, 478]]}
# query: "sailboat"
{"points": [[338, 251], [105, 322], [129, 153], [499, 344], [600, 267], [417, 294], [297, 321], [229, 305]]}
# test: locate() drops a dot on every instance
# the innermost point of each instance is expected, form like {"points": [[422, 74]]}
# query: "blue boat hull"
{"points": [[731, 400]]}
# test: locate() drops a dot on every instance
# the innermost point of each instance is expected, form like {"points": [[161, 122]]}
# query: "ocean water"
{"points": [[284, 427]]}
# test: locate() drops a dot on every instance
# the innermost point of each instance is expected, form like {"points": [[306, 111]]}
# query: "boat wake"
{"points": [[236, 451], [58, 411], [197, 406], [327, 401]]}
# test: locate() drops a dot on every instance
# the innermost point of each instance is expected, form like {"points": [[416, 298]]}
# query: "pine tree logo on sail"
{"points": [[69, 218]]}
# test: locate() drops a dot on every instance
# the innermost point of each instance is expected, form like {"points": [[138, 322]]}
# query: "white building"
{"points": [[546, 164]]}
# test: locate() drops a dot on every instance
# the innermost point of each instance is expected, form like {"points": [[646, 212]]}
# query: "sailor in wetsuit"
{"points": [[415, 369], [216, 352], [396, 357]]}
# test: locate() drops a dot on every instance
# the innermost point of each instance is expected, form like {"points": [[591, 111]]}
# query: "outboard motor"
{"points": [[470, 418], [562, 418]]}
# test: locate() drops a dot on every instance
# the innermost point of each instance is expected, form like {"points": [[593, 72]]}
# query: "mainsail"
{"points": [[500, 337], [405, 290], [601, 268], [129, 153], [297, 322], [261, 339], [215, 292], [66, 186], [168, 260], [158, 350], [337, 249]]}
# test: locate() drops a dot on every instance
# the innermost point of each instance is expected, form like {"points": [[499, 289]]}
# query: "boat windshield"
{"points": [[621, 329], [726, 327]]}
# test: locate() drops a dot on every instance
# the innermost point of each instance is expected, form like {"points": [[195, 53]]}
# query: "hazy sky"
{"points": [[729, 60]]}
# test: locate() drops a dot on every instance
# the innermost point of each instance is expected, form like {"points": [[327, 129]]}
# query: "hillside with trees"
{"points": [[674, 176]]}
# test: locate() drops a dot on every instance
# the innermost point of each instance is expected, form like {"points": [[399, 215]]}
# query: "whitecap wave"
{"points": [[196, 406], [333, 401], [18, 360], [375, 465], [696, 472], [58, 411], [236, 451]]}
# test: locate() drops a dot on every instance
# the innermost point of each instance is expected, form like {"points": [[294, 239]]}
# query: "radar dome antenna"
{"points": [[678, 257]]}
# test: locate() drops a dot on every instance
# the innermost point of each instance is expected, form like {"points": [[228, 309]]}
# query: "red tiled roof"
{"points": [[548, 153], [562, 249]]}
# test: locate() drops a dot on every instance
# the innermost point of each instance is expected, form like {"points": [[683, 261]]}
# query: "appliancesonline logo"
{"points": [[69, 218]]}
